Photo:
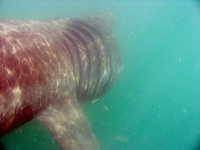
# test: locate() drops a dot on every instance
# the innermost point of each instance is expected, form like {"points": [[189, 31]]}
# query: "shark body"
{"points": [[48, 67]]}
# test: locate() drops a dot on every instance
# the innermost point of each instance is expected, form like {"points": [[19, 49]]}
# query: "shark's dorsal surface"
{"points": [[48, 67]]}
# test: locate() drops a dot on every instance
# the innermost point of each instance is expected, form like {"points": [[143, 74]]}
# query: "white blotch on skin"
{"points": [[14, 50], [16, 101], [9, 71]]}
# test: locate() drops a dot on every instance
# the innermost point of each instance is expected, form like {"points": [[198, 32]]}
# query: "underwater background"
{"points": [[155, 103]]}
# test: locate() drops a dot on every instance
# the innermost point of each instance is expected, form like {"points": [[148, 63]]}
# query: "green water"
{"points": [[155, 103]]}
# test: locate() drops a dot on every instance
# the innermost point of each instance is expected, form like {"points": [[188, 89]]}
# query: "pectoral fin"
{"points": [[68, 125]]}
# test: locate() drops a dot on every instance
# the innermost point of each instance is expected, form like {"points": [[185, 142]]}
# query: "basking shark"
{"points": [[47, 68]]}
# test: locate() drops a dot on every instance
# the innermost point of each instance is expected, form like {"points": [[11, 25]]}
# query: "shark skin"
{"points": [[49, 68]]}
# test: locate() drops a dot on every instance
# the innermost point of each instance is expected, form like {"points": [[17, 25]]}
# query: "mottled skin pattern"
{"points": [[46, 67]]}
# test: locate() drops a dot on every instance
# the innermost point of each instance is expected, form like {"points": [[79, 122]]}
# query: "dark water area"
{"points": [[155, 103]]}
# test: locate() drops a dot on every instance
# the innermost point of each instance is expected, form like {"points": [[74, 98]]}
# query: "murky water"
{"points": [[155, 103]]}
